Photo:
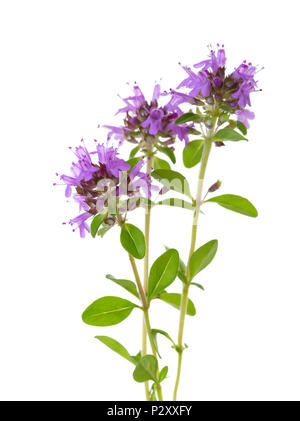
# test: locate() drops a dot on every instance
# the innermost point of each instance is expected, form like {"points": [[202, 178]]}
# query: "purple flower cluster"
{"points": [[147, 123], [211, 86], [97, 185]]}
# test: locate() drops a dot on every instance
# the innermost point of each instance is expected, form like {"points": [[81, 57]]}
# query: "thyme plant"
{"points": [[109, 188]]}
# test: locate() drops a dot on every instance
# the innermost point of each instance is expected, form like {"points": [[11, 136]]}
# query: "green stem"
{"points": [[185, 290], [138, 283], [148, 327], [146, 317], [146, 269]]}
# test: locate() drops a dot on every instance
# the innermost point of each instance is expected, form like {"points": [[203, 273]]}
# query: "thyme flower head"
{"points": [[149, 124], [210, 86], [103, 184]]}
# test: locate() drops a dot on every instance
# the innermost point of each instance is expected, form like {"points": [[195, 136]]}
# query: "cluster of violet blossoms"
{"points": [[211, 87], [100, 186], [148, 124], [152, 128]]}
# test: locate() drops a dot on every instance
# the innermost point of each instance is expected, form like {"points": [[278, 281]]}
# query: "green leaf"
{"points": [[153, 396], [96, 222], [153, 392], [236, 204], [134, 151], [102, 231], [134, 133], [192, 153], [107, 311], [226, 108], [163, 272], [154, 333], [133, 161], [167, 151], [228, 134], [146, 369], [242, 128], [163, 373], [202, 257], [124, 283], [116, 346], [197, 285], [179, 203], [181, 270], [184, 118], [173, 180], [136, 358], [174, 300], [133, 240], [159, 164]]}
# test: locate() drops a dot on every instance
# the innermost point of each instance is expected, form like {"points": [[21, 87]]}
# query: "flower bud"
{"points": [[215, 186]]}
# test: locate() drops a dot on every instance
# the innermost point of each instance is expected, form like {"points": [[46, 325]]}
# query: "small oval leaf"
{"points": [[134, 151], [179, 203], [163, 373], [96, 222], [160, 164], [174, 300], [133, 161], [133, 240], [192, 153], [202, 257], [154, 333], [181, 269], [168, 152], [125, 283], [163, 272], [107, 311], [242, 128], [146, 369], [173, 180], [236, 204], [184, 118], [115, 346], [197, 285], [228, 134]]}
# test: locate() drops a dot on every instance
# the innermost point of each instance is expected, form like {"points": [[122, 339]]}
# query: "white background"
{"points": [[62, 65]]}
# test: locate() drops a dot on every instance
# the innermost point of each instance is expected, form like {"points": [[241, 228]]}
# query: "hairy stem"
{"points": [[185, 290]]}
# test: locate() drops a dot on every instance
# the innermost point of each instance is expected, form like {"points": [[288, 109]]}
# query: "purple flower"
{"points": [[80, 220], [140, 180], [198, 83], [244, 75], [245, 72], [181, 131], [214, 62], [214, 89], [245, 115], [98, 185], [178, 98], [117, 133], [108, 157], [154, 121], [243, 94], [149, 122], [134, 102]]}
